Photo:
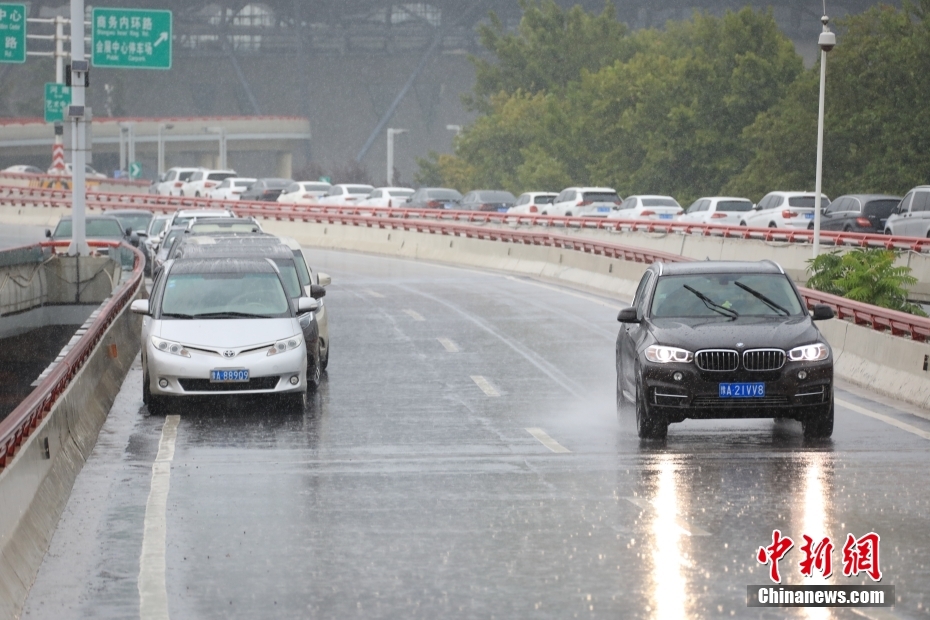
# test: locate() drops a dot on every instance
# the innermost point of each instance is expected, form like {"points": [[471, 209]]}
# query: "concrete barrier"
{"points": [[886, 364], [36, 481]]}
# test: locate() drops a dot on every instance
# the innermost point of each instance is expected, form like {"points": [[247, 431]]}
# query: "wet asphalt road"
{"points": [[411, 487]]}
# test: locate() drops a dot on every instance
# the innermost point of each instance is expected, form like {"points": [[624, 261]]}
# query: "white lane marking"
{"points": [[688, 528], [548, 441], [413, 314], [450, 346], [884, 418], [600, 302], [153, 593], [374, 294], [485, 385]]}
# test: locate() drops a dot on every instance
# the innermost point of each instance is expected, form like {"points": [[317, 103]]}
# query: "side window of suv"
{"points": [[921, 202], [905, 203], [641, 292]]}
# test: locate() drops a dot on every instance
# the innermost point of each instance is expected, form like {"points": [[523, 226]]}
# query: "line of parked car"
{"points": [[865, 213], [233, 310]]}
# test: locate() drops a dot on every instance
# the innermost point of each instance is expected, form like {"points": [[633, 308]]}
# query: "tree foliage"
{"points": [[866, 275]]}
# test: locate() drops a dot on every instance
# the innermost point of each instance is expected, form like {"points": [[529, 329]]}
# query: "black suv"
{"points": [[720, 339]]}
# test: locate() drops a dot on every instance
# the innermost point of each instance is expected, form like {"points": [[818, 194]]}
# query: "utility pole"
{"points": [[58, 149], [391, 132], [79, 69]]}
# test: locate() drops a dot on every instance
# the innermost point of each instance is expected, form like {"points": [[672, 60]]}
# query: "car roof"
{"points": [[204, 212], [718, 266], [869, 197], [719, 198], [794, 194], [232, 250], [222, 265], [592, 189], [129, 212], [650, 196], [67, 218]]}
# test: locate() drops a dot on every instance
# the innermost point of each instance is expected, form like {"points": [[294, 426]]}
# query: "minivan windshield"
{"points": [[224, 296], [727, 294]]}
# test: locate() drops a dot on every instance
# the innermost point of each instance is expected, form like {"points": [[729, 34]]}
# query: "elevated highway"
{"points": [[464, 459]]}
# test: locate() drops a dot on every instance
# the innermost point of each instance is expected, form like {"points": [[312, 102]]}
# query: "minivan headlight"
{"points": [[167, 346], [809, 353], [663, 355], [285, 345]]}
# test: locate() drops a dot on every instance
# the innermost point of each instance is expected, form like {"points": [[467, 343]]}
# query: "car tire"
{"points": [[324, 361], [155, 404], [888, 232], [819, 425], [648, 426], [544, 213], [197, 195], [314, 370], [847, 228], [743, 223], [810, 226], [772, 225], [568, 214]]}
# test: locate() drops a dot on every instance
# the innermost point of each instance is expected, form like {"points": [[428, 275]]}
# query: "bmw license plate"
{"points": [[742, 390], [240, 375], [809, 216], [603, 209]]}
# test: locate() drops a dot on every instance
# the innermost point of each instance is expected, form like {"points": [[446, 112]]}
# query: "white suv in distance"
{"points": [[532, 202], [205, 180], [230, 188], [170, 183], [304, 192], [584, 202], [784, 210], [346, 194], [716, 210], [647, 208], [911, 217], [387, 197]]}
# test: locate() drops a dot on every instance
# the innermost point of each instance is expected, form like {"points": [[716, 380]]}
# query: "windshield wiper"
{"points": [[768, 302], [230, 315], [173, 315], [713, 305]]}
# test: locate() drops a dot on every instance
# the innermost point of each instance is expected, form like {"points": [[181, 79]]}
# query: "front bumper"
{"points": [[697, 394], [191, 376]]}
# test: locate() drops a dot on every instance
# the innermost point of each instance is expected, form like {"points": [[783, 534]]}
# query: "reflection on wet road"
{"points": [[424, 479]]}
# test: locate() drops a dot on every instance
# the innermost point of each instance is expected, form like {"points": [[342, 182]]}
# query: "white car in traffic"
{"points": [[646, 208], [584, 202], [532, 202], [304, 192], [716, 210], [171, 182], [346, 194], [202, 181], [387, 197], [230, 188], [784, 210], [222, 327]]}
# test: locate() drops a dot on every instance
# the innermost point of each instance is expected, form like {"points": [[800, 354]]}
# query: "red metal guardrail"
{"points": [[463, 223], [22, 421], [27, 196]]}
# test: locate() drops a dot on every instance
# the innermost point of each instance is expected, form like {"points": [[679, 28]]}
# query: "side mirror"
{"points": [[307, 304], [822, 312], [324, 279], [48, 233], [756, 207], [628, 315], [317, 291], [134, 240], [140, 306]]}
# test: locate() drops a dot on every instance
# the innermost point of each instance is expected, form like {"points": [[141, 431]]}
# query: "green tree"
{"points": [[866, 275]]}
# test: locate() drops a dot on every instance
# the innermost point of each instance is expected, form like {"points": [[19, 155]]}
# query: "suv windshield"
{"points": [[730, 291], [224, 295], [93, 229], [135, 221]]}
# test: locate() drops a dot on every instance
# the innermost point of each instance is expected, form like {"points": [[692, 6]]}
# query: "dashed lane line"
{"points": [[450, 346], [153, 593], [485, 385], [413, 314], [688, 528], [904, 426], [375, 294], [548, 441]]}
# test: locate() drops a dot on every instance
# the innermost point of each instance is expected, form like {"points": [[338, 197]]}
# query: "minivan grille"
{"points": [[717, 360], [205, 385], [763, 359]]}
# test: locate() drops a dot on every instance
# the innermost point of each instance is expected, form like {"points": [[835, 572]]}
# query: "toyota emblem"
{"points": [[229, 353]]}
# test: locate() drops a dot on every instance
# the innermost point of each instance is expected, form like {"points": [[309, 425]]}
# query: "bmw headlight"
{"points": [[170, 347], [663, 355], [285, 345], [809, 353]]}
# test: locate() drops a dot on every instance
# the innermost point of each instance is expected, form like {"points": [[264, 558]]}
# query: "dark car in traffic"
{"points": [[722, 339], [265, 189], [434, 198], [863, 213], [101, 227], [488, 200]]}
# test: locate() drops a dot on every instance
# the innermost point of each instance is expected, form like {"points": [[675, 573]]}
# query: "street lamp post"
{"points": [[391, 132], [161, 146], [827, 42]]}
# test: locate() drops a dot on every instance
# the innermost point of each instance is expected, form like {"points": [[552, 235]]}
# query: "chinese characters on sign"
{"points": [[12, 33], [859, 556], [131, 39], [57, 100]]}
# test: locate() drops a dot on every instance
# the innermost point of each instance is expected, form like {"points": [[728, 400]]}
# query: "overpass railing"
{"points": [[22, 421], [468, 224]]}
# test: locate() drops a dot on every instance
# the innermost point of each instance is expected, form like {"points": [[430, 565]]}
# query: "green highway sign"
{"points": [[131, 39], [12, 33], [57, 100], [135, 169]]}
